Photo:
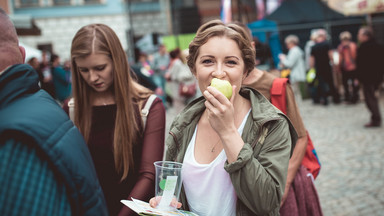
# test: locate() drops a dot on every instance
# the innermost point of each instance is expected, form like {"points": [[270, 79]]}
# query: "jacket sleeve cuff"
{"points": [[244, 156]]}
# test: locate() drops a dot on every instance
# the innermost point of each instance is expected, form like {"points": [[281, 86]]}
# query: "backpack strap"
{"points": [[278, 94], [145, 110], [71, 106], [278, 99]]}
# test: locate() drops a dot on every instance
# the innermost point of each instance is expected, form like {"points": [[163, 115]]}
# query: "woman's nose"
{"points": [[219, 71], [93, 76]]}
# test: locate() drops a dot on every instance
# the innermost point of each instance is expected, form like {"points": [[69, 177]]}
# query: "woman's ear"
{"points": [[193, 71], [22, 51], [245, 74]]}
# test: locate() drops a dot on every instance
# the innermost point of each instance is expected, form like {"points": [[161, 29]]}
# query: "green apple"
{"points": [[223, 86]]}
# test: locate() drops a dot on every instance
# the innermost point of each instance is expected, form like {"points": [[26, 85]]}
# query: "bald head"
{"points": [[10, 52]]}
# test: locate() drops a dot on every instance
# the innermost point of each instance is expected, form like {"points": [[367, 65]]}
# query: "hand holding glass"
{"points": [[168, 185]]}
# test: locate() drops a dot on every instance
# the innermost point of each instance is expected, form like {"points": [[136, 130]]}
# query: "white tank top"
{"points": [[208, 187]]}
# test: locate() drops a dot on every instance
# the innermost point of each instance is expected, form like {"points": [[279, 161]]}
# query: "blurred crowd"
{"points": [[316, 71], [167, 74], [349, 73], [54, 75]]}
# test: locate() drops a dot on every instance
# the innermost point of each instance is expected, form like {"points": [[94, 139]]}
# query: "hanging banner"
{"points": [[260, 9], [226, 11]]}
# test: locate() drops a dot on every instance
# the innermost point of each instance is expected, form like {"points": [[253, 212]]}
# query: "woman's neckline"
{"points": [[104, 105]]}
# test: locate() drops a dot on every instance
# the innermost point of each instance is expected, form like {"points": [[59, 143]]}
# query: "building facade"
{"points": [[55, 22], [59, 20]]}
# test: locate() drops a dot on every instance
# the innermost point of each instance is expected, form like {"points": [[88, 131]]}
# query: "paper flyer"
{"points": [[143, 208]]}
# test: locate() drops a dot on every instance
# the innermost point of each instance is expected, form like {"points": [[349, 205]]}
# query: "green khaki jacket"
{"points": [[260, 172]]}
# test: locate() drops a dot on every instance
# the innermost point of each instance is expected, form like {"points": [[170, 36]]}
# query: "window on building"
{"points": [[27, 3], [138, 1], [61, 2], [93, 1]]}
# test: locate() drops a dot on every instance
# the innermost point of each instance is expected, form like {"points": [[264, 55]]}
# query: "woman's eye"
{"points": [[83, 70], [206, 61], [100, 68], [232, 62]]}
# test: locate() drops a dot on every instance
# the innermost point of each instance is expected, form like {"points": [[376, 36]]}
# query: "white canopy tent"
{"points": [[357, 7]]}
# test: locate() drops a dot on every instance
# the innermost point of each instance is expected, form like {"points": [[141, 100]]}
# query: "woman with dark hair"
{"points": [[181, 82]]}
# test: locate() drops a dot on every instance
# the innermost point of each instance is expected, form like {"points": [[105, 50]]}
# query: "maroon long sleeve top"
{"points": [[148, 148]]}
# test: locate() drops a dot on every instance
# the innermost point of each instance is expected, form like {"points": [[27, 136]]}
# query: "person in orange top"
{"points": [[347, 66]]}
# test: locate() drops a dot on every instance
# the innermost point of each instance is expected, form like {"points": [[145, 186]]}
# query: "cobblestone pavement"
{"points": [[351, 180]]}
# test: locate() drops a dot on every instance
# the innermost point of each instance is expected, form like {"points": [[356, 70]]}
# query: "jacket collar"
{"points": [[17, 81]]}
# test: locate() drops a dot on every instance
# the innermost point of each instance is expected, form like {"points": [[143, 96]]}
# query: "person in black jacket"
{"points": [[370, 72], [46, 168], [321, 57]]}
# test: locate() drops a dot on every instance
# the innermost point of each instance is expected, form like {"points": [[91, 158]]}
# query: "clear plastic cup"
{"points": [[168, 184]]}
